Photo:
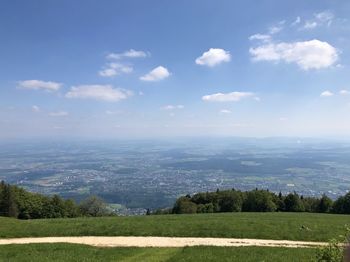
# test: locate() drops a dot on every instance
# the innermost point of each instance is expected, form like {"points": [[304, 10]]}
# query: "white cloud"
{"points": [[107, 72], [313, 54], [172, 107], [59, 113], [344, 92], [326, 94], [99, 92], [157, 74], [283, 119], [113, 69], [133, 53], [225, 111], [310, 24], [35, 109], [213, 57], [128, 54], [322, 18], [325, 17], [260, 37], [276, 28], [38, 84], [296, 21], [228, 97]]}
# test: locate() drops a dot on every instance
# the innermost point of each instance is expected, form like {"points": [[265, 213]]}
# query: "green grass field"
{"points": [[321, 227], [70, 252]]}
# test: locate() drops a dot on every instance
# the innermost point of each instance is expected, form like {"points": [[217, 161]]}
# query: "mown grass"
{"points": [[71, 252], [316, 227]]}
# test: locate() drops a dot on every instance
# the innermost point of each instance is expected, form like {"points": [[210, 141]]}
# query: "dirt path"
{"points": [[162, 241]]}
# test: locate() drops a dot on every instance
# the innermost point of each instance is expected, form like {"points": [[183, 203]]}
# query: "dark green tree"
{"points": [[342, 205], [8, 205], [184, 205], [259, 201], [230, 201], [325, 204], [293, 203], [94, 206]]}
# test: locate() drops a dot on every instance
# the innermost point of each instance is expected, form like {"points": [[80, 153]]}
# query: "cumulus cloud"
{"points": [[113, 69], [38, 84], [344, 92], [172, 107], [59, 113], [157, 74], [128, 54], [213, 57], [313, 54], [99, 92], [228, 97], [35, 109], [326, 94]]}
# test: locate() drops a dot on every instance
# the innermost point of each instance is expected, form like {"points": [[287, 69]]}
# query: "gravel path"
{"points": [[163, 241]]}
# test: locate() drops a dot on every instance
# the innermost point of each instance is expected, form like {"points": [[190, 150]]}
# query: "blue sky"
{"points": [[116, 69]]}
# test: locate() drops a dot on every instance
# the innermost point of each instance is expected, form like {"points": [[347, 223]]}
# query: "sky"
{"points": [[137, 69]]}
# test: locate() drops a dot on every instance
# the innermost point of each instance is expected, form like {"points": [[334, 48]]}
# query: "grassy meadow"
{"points": [[72, 252], [288, 226]]}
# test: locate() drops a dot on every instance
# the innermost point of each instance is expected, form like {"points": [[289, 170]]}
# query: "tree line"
{"points": [[18, 203], [256, 201]]}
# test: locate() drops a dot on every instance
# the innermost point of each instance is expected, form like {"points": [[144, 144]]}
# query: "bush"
{"points": [[94, 207], [184, 206], [334, 251]]}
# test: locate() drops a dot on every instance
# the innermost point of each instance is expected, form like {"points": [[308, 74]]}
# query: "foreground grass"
{"points": [[71, 252], [288, 226]]}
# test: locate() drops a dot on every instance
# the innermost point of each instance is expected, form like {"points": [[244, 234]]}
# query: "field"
{"points": [[70, 252], [278, 226]]}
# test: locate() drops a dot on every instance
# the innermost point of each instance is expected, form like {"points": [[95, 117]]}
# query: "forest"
{"points": [[257, 201], [18, 203]]}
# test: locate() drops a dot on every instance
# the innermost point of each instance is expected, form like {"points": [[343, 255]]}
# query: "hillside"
{"points": [[279, 226]]}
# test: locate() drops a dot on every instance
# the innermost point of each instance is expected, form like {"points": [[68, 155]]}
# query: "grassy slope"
{"points": [[69, 252], [239, 225]]}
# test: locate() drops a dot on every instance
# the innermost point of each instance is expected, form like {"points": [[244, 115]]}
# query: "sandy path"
{"points": [[162, 241]]}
